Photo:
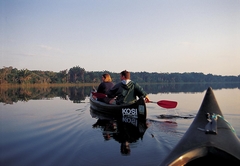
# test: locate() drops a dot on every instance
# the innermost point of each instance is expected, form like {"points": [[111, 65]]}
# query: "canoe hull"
{"points": [[206, 141], [135, 110]]}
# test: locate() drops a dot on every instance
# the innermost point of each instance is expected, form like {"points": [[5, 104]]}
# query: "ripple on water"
{"points": [[45, 139]]}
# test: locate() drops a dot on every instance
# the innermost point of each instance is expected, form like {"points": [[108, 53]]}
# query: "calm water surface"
{"points": [[59, 131]]}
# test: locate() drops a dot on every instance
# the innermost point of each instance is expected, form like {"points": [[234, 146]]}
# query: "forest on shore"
{"points": [[78, 75]]}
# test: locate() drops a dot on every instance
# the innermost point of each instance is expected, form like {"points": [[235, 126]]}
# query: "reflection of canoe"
{"points": [[125, 130], [123, 120], [136, 109], [134, 127], [210, 140]]}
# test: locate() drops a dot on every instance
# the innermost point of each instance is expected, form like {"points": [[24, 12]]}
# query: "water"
{"points": [[58, 129]]}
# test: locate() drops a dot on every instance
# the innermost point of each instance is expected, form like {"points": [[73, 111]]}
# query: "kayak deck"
{"points": [[210, 139]]}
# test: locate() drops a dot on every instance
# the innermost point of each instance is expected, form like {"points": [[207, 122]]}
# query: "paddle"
{"points": [[166, 103], [99, 95], [162, 103]]}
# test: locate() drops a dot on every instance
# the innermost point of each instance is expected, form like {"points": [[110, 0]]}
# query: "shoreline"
{"points": [[96, 84], [47, 85]]}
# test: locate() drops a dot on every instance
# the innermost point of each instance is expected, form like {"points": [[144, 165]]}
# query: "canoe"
{"points": [[210, 139], [137, 109]]}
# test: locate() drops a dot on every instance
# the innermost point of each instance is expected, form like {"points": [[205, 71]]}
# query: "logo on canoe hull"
{"points": [[129, 112]]}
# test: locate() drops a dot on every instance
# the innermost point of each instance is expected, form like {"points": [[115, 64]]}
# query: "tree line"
{"points": [[76, 74]]}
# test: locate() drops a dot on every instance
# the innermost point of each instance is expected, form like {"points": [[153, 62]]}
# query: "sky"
{"points": [[163, 36]]}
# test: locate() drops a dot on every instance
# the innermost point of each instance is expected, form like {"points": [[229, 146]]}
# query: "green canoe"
{"points": [[209, 140]]}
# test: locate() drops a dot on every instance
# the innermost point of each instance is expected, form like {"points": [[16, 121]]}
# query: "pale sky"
{"points": [[114, 35]]}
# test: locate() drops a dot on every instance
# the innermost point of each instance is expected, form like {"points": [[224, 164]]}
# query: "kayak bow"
{"points": [[209, 140]]}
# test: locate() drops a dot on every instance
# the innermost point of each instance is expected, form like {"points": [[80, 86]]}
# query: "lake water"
{"points": [[54, 126]]}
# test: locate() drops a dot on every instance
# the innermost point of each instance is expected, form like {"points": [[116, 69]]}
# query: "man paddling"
{"points": [[126, 91]]}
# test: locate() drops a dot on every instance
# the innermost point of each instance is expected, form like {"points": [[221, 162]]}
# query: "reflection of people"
{"points": [[109, 127], [126, 91], [107, 136], [130, 131], [125, 131], [104, 86], [125, 148]]}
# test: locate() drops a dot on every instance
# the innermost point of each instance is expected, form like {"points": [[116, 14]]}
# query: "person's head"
{"points": [[125, 75], [106, 78]]}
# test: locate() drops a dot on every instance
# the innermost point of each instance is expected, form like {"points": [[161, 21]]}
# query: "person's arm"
{"points": [[112, 93], [140, 92]]}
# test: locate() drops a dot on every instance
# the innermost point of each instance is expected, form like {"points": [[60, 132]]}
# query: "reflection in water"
{"points": [[75, 94], [187, 88], [165, 116], [165, 125], [78, 94], [126, 130]]}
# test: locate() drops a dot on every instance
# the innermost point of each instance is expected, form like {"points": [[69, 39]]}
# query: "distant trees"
{"points": [[63, 76], [10, 75], [76, 75]]}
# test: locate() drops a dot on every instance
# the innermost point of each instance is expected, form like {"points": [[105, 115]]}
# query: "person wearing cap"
{"points": [[126, 91]]}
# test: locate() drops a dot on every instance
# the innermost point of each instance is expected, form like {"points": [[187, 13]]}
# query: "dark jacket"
{"points": [[126, 93], [103, 88]]}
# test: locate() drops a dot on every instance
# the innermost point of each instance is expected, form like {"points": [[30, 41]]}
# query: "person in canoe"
{"points": [[126, 91], [104, 86]]}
